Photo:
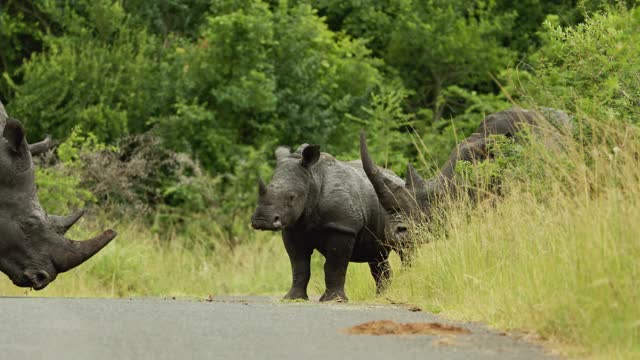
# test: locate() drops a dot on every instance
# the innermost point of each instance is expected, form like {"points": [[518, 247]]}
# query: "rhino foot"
{"points": [[296, 294], [334, 295]]}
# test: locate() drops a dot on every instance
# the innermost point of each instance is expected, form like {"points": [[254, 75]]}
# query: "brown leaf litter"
{"points": [[389, 327]]}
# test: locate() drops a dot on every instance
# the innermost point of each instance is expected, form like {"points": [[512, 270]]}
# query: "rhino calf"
{"points": [[33, 248], [320, 203]]}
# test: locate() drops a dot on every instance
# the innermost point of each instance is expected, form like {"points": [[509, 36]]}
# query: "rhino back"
{"points": [[508, 122], [346, 200]]}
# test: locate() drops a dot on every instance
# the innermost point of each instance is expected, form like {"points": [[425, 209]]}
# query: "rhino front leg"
{"points": [[300, 257], [337, 253], [381, 272]]}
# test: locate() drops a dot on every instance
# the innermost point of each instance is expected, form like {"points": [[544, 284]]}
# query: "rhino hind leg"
{"points": [[338, 250], [381, 272]]}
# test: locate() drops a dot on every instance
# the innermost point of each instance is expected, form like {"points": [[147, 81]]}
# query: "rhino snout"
{"points": [[272, 222], [36, 279], [40, 280]]}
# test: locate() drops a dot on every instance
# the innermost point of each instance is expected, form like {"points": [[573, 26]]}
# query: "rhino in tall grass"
{"points": [[320, 203], [33, 246], [415, 198]]}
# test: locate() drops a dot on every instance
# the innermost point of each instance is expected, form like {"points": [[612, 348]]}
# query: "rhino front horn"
{"points": [[73, 253], [61, 224]]}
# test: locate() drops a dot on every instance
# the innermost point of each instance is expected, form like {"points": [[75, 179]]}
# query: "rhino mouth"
{"points": [[273, 224], [38, 287]]}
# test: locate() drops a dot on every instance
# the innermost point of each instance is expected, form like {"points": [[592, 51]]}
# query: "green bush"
{"points": [[387, 128], [590, 70], [440, 137], [103, 74], [60, 187]]}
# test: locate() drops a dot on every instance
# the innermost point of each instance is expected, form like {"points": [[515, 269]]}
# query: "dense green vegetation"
{"points": [[169, 110], [223, 82]]}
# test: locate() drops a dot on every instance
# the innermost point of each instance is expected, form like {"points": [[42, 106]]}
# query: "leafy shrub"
{"points": [[506, 160], [60, 185], [442, 135], [60, 192], [167, 190], [590, 69], [103, 74], [387, 127]]}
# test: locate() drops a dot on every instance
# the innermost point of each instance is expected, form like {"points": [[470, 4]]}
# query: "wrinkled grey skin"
{"points": [[414, 200], [33, 248], [320, 203]]}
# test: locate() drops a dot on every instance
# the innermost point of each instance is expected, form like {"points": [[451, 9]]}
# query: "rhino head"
{"points": [[402, 203], [283, 201], [33, 245]]}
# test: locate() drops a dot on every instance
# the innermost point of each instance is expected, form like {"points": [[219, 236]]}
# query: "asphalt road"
{"points": [[230, 328]]}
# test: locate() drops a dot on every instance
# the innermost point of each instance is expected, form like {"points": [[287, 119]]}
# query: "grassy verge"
{"points": [[568, 272], [559, 256]]}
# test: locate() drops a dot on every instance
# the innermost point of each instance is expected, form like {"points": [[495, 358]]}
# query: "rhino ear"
{"points": [[416, 185], [14, 133], [414, 181], [310, 155], [282, 152]]}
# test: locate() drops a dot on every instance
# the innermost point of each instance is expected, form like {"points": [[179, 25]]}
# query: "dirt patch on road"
{"points": [[388, 327]]}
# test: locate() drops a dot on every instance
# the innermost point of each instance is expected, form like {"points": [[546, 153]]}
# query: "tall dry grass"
{"points": [[557, 254]]}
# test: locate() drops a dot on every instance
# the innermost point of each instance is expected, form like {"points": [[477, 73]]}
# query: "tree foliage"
{"points": [[591, 69], [225, 81]]}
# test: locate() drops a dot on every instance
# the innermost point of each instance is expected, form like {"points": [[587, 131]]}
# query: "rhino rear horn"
{"points": [[41, 147], [72, 253], [61, 224]]}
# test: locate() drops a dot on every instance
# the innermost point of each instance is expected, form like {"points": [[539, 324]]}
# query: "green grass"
{"points": [[569, 272], [138, 263]]}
